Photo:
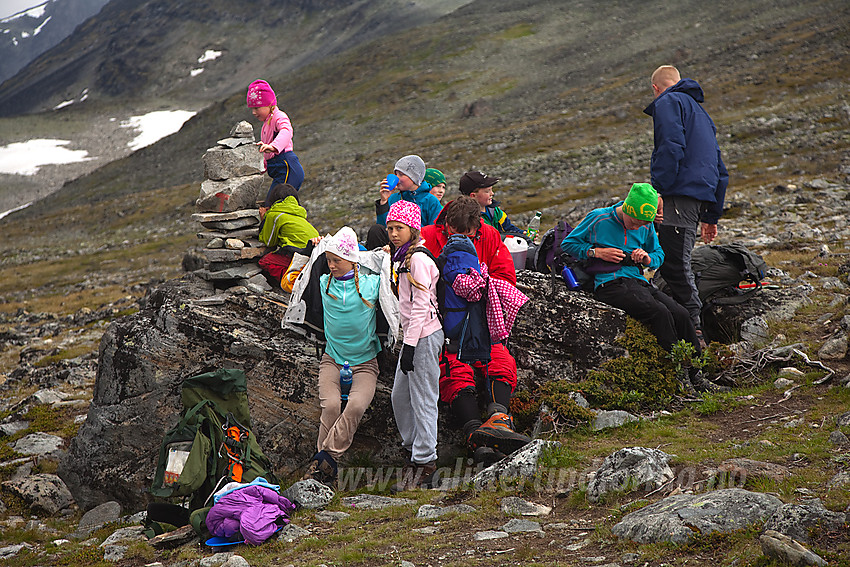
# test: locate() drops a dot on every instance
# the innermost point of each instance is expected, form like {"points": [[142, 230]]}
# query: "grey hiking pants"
{"points": [[415, 396]]}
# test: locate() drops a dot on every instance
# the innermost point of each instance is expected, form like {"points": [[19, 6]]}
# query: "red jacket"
{"points": [[488, 244]]}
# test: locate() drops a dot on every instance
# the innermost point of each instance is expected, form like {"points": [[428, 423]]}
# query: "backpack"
{"points": [[720, 269], [464, 322], [212, 444], [549, 258]]}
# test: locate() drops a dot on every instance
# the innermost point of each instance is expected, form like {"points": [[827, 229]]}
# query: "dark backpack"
{"points": [[212, 444], [720, 269], [549, 258]]}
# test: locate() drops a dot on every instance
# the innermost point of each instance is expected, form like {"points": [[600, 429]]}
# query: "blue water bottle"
{"points": [[570, 278], [345, 379]]}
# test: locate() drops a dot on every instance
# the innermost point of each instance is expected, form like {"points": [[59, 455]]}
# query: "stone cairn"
{"points": [[233, 185]]}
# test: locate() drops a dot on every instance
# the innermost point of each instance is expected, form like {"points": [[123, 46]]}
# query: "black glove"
{"points": [[406, 358]]}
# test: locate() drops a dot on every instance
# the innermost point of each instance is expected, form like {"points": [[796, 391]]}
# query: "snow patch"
{"points": [[38, 29], [209, 55], [10, 211], [154, 126], [25, 158], [34, 12], [195, 72], [63, 104]]}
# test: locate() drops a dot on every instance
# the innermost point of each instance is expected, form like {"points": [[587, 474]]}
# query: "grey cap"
{"points": [[413, 167]]}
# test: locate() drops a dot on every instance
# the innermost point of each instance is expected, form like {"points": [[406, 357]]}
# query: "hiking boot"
{"points": [[415, 476], [498, 433], [322, 470], [702, 385], [487, 456]]}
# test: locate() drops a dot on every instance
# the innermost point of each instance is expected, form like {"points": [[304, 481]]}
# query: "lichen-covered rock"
{"points": [[677, 518], [799, 520], [42, 492], [628, 468]]}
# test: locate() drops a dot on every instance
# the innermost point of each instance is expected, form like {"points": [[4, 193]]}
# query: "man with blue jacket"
{"points": [[623, 239], [689, 174]]}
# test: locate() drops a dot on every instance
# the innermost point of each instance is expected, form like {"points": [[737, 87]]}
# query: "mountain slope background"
{"points": [[25, 36], [546, 95]]}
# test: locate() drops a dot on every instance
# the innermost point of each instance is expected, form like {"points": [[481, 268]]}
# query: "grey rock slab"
{"points": [[521, 464], [209, 217], [12, 550], [236, 561], [97, 517], [427, 530], [328, 516], [520, 525], [234, 142], [835, 348], [742, 468], [114, 552], [787, 551], [843, 420], [291, 532], [489, 534], [797, 521], [374, 502], [310, 494], [128, 534], [44, 492], [838, 438], [228, 162], [232, 194], [232, 254], [9, 429], [38, 444], [216, 560], [241, 272], [790, 372], [431, 512], [47, 397], [677, 518], [612, 418], [516, 506], [628, 468]]}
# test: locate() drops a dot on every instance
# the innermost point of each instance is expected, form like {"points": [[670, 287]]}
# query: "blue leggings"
{"points": [[284, 168]]}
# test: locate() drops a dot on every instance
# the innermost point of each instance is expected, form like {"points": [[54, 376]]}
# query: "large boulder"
{"points": [[677, 518]]}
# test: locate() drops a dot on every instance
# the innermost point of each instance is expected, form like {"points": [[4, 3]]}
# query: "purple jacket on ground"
{"points": [[252, 511]]}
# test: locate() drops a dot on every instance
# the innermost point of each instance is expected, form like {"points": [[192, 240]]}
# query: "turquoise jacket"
{"points": [[349, 323], [602, 228]]}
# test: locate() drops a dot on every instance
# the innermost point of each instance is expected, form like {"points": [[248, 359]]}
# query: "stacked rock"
{"points": [[228, 211]]}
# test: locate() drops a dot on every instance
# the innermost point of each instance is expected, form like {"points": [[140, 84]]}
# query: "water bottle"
{"points": [[570, 278], [345, 378], [534, 226]]}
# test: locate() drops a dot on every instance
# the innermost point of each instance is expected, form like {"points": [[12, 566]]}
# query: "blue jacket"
{"points": [[603, 228], [686, 159], [429, 205]]}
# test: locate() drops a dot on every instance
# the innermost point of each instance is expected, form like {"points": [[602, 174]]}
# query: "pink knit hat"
{"points": [[407, 213], [260, 94]]}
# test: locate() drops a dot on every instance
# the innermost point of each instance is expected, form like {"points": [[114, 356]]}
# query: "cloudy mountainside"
{"points": [[198, 52], [26, 35]]}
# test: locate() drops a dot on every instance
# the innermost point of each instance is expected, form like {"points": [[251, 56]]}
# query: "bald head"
{"points": [[663, 78]]}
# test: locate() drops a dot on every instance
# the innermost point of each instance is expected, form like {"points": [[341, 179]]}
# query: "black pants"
{"points": [[678, 244], [666, 319]]}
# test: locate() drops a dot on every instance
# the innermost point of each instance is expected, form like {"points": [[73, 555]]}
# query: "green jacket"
{"points": [[285, 224]]}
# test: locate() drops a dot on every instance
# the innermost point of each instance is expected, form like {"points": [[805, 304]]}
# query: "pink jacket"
{"points": [[277, 122], [418, 308]]}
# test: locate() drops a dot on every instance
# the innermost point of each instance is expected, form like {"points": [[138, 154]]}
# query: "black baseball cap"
{"points": [[471, 181]]}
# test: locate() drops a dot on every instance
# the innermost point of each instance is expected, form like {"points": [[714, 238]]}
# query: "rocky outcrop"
{"points": [[628, 468]]}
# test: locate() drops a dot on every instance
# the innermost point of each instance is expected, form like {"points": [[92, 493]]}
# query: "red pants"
{"points": [[460, 375]]}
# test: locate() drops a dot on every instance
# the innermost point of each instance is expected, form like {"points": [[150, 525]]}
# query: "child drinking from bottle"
{"points": [[275, 142], [416, 389], [348, 302]]}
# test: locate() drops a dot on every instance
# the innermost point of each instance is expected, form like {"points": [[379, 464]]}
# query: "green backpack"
{"points": [[213, 443]]}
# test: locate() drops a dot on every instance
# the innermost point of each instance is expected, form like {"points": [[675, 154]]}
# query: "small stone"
{"points": [[430, 512], [786, 550], [791, 373], [838, 438], [234, 244], [427, 530], [794, 423], [310, 494], [843, 420], [782, 383], [327, 516], [374, 502], [216, 243], [114, 553], [520, 525], [236, 561], [291, 532], [215, 560], [515, 506], [489, 534], [612, 418]]}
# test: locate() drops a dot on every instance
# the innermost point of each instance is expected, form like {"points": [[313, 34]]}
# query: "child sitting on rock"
{"points": [[284, 228], [275, 143], [480, 187]]}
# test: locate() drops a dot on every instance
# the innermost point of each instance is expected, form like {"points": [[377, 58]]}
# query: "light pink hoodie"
{"points": [[418, 308], [278, 122]]}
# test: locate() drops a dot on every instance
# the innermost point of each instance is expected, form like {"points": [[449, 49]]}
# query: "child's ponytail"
{"points": [[357, 286], [414, 241]]}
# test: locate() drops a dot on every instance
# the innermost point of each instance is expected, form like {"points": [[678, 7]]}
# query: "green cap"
{"points": [[434, 176], [642, 202]]}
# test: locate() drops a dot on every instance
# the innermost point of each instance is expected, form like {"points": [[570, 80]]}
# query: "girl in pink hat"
{"points": [[417, 377], [275, 142]]}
